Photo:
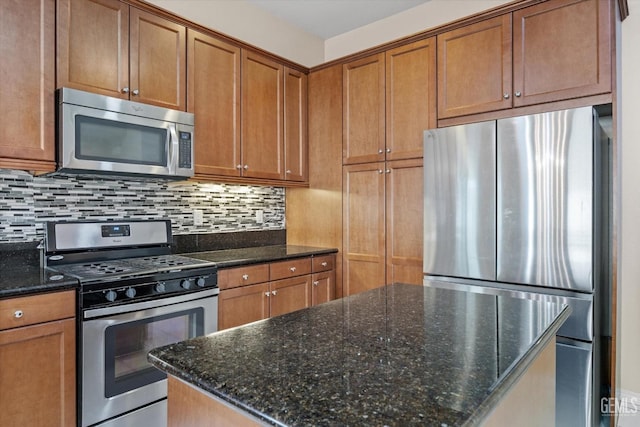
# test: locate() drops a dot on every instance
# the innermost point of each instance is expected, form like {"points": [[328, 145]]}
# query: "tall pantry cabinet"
{"points": [[388, 102]]}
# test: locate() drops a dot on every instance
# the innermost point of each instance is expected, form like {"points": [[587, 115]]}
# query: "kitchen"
{"points": [[41, 202]]}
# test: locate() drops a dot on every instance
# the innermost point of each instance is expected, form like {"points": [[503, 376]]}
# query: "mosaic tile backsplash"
{"points": [[27, 202]]}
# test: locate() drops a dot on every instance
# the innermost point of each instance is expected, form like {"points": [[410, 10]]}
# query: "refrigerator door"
{"points": [[545, 199], [459, 201]]}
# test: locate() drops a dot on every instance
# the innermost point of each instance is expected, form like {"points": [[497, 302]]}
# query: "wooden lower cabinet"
{"points": [[323, 287], [38, 361], [290, 295], [242, 305]]}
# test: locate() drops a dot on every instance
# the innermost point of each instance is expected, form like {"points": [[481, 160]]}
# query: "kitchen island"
{"points": [[399, 355]]}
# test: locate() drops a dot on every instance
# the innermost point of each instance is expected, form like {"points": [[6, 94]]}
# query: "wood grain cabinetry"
{"points": [[295, 125], [256, 292], [552, 51], [382, 217], [108, 47], [38, 359], [27, 86]]}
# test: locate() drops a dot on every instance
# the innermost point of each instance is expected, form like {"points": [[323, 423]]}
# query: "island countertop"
{"points": [[398, 355]]}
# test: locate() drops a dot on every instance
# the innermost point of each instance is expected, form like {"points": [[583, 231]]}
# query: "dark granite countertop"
{"points": [[258, 255], [396, 356]]}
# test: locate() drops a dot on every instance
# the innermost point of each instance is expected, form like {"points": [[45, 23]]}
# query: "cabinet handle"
{"points": [[380, 171], [388, 171], [288, 171], [518, 94], [316, 283], [245, 277], [136, 92], [18, 314], [505, 96], [324, 264], [239, 167], [267, 294], [388, 150], [292, 269], [246, 167], [125, 90], [274, 293], [380, 151]]}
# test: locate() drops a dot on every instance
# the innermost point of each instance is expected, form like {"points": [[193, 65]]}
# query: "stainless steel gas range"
{"points": [[134, 296]]}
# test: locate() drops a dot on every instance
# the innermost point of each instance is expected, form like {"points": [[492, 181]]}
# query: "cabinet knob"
{"points": [[246, 167], [267, 294], [274, 293], [380, 151], [518, 94], [388, 171], [316, 283], [125, 90], [505, 96], [239, 167], [292, 269], [18, 314], [288, 171], [136, 92], [324, 263], [380, 171], [388, 150], [245, 277]]}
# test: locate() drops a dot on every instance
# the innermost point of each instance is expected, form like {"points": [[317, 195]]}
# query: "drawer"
{"points": [[290, 268], [29, 310], [241, 276], [323, 263]]}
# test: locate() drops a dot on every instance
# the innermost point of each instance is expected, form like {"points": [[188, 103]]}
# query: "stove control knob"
{"points": [[130, 293], [186, 284], [200, 282], [160, 287], [111, 295]]}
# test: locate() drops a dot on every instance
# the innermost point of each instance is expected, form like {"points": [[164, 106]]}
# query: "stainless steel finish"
{"points": [[245, 277], [388, 171], [380, 151], [18, 314], [518, 94], [274, 293], [316, 283], [238, 167], [505, 95], [388, 150], [267, 293], [136, 92], [545, 199], [574, 384], [95, 406], [88, 235], [324, 263], [292, 269], [288, 171], [459, 201], [380, 171], [125, 90], [246, 167], [152, 415]]}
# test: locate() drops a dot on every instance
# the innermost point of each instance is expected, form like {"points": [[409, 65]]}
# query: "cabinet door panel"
{"points": [[363, 104], [243, 305], [27, 47], [404, 184], [213, 87], [158, 60], [295, 125], [93, 46], [364, 230], [561, 50], [474, 68], [323, 287], [262, 141], [38, 375], [411, 97], [289, 295]]}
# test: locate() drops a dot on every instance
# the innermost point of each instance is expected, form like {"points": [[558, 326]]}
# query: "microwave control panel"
{"points": [[184, 150]]}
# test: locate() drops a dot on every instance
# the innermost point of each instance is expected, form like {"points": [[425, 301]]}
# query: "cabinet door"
{"points": [[27, 48], [295, 125], [158, 60], [323, 287], [213, 86], [474, 68], [262, 141], [364, 231], [363, 105], [404, 182], [93, 46], [38, 375], [289, 295], [243, 305], [561, 50], [411, 97]]}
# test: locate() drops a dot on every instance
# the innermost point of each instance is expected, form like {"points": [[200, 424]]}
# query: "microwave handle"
{"points": [[173, 149]]}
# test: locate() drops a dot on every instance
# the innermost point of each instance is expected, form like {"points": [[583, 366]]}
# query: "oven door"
{"points": [[116, 376]]}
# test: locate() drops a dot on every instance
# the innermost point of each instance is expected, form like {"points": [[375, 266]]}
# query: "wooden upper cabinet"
{"points": [[213, 86], [474, 68], [110, 48], [295, 125], [262, 103], [93, 46], [364, 110], [561, 50], [27, 86], [410, 97]]}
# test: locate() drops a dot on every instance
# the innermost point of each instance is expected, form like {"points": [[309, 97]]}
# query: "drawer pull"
{"points": [[316, 283], [245, 277], [18, 314], [324, 264], [292, 269]]}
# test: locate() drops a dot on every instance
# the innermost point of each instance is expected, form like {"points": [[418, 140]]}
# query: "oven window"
{"points": [[127, 345], [112, 141]]}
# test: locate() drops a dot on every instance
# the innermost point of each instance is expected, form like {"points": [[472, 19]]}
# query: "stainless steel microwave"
{"points": [[99, 134]]}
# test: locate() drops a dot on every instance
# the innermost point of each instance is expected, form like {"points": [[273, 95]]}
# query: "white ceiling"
{"points": [[328, 18]]}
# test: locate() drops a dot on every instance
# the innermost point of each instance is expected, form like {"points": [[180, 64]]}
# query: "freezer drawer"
{"points": [[574, 388]]}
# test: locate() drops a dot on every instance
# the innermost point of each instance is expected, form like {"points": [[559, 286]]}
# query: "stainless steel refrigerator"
{"points": [[519, 207]]}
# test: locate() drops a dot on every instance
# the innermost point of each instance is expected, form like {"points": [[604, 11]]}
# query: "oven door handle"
{"points": [[125, 308]]}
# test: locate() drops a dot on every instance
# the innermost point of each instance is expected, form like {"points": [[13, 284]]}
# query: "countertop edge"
{"points": [[515, 372]]}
